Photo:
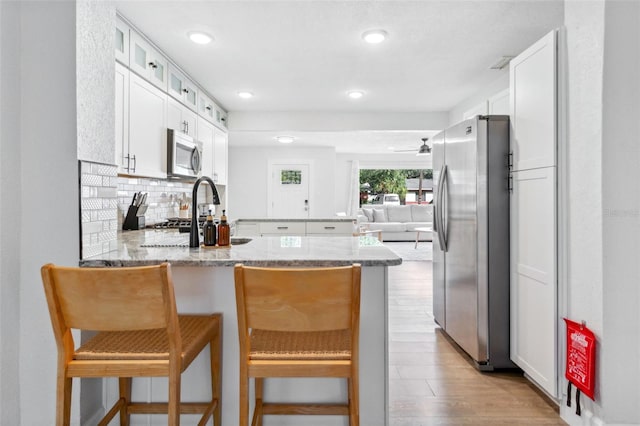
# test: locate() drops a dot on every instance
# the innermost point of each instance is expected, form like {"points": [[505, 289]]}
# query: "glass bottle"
{"points": [[223, 231], [209, 231]]}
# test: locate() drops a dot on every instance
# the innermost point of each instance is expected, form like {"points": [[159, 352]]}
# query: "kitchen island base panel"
{"points": [[204, 290]]}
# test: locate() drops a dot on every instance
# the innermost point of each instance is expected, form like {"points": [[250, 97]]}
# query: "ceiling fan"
{"points": [[424, 149]]}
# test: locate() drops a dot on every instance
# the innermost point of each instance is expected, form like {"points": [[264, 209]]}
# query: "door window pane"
{"points": [[291, 177]]}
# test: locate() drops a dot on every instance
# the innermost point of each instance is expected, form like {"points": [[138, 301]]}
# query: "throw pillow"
{"points": [[369, 214], [379, 216]]}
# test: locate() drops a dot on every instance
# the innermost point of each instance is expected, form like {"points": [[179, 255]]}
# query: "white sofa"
{"points": [[398, 223]]}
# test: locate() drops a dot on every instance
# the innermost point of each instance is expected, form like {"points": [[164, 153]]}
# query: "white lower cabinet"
{"points": [[247, 229], [282, 228], [534, 276], [147, 151], [329, 228], [293, 228]]}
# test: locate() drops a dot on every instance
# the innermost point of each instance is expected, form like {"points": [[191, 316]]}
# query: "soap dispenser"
{"points": [[209, 231], [223, 230]]}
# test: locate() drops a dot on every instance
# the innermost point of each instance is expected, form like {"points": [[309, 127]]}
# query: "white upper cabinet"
{"points": [[533, 105], [181, 118], [206, 136], [147, 129], [220, 152], [533, 210], [151, 95], [221, 118], [146, 61], [183, 89], [122, 117], [206, 108], [122, 42]]}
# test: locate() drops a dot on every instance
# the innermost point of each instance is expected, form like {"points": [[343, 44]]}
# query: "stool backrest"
{"points": [[110, 299], [308, 299]]}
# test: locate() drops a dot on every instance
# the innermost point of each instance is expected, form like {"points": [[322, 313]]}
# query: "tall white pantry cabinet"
{"points": [[533, 177]]}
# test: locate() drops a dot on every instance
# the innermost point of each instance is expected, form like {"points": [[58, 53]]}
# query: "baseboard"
{"points": [[587, 418]]}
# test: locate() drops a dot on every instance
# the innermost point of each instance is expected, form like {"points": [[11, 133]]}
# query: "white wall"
{"points": [[10, 218], [620, 365], [335, 122], [46, 176], [248, 176], [583, 284], [499, 84]]}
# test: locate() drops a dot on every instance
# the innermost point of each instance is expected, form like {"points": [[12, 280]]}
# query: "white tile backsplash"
{"points": [[98, 207], [105, 199]]}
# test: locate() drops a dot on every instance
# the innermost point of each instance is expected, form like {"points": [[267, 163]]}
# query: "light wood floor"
{"points": [[432, 383]]}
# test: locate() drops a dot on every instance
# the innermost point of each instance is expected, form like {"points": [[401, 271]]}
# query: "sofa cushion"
{"points": [[379, 216], [389, 227], [369, 214], [421, 213], [411, 226], [399, 214]]}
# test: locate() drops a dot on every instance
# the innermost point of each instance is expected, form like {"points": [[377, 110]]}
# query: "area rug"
{"points": [[406, 250]]}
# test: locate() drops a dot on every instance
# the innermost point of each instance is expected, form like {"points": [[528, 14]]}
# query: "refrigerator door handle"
{"points": [[444, 208], [439, 209]]}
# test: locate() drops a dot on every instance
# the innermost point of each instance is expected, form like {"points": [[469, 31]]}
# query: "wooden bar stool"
{"points": [[298, 323], [139, 334]]}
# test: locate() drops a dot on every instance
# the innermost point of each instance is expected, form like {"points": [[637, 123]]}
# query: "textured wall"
{"points": [[95, 84]]}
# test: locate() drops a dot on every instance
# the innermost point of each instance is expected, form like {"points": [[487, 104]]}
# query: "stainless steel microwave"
{"points": [[184, 155]]}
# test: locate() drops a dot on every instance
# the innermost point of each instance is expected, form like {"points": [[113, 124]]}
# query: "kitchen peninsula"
{"points": [[203, 281]]}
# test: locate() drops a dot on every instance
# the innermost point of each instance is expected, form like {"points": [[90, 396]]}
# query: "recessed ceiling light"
{"points": [[355, 94], [374, 36], [200, 37], [245, 95], [285, 139]]}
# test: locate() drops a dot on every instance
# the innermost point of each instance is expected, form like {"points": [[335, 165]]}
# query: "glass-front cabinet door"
{"points": [[147, 62], [122, 42], [183, 89]]}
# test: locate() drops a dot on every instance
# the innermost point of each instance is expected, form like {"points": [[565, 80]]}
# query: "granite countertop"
{"points": [[327, 219], [150, 247]]}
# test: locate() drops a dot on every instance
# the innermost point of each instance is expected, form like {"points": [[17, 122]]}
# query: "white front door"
{"points": [[289, 191]]}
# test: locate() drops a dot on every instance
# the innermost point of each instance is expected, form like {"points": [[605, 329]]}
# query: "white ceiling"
{"points": [[304, 55]]}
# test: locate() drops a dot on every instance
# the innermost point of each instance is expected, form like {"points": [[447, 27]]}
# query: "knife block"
{"points": [[135, 218]]}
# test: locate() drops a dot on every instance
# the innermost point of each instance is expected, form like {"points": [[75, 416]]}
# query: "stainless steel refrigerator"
{"points": [[471, 238]]}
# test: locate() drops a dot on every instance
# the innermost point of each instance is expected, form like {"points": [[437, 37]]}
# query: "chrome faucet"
{"points": [[194, 234]]}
